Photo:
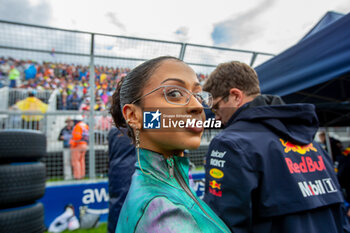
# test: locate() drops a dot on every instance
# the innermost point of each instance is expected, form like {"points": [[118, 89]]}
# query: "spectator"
{"points": [[83, 74], [30, 72], [264, 172], [103, 126], [122, 159], [63, 102], [104, 97], [65, 136], [5, 67], [104, 122], [109, 103], [103, 77], [78, 146], [99, 106], [14, 76], [73, 101], [85, 106], [31, 104]]}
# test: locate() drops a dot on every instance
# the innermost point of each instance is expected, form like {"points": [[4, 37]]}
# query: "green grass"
{"points": [[101, 229], [55, 179], [199, 169]]}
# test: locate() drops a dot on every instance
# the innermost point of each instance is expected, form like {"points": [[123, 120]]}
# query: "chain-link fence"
{"points": [[62, 58], [38, 43], [51, 124]]}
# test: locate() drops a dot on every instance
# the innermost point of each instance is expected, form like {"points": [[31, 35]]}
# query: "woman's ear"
{"points": [[133, 115]]}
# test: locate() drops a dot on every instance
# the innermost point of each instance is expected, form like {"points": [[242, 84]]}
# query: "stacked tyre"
{"points": [[22, 181]]}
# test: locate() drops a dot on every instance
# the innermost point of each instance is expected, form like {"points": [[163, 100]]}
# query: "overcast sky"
{"points": [[262, 25]]}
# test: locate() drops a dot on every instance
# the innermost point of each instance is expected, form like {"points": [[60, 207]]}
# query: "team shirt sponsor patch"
{"points": [[216, 159], [216, 173], [301, 149], [215, 192], [317, 187], [214, 184], [307, 164]]}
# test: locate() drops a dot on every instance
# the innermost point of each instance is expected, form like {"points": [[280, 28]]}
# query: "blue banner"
{"points": [[93, 195]]}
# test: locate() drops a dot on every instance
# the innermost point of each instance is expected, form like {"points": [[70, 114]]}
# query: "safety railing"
{"points": [[54, 160]]}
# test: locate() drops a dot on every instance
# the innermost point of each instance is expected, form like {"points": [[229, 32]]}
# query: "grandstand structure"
{"points": [[76, 67]]}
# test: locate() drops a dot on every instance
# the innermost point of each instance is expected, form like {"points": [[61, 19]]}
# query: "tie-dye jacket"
{"points": [[157, 200]]}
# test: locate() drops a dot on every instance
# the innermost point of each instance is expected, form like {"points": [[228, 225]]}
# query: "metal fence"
{"points": [[51, 125], [24, 41], [46, 44]]}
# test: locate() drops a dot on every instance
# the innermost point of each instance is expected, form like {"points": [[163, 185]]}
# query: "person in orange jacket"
{"points": [[78, 146]]}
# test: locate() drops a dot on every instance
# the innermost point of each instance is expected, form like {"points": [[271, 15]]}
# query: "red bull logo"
{"points": [[346, 152], [306, 165], [215, 192], [301, 149], [214, 184]]}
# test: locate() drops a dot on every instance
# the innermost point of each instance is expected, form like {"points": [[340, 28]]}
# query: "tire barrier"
{"points": [[29, 219], [22, 145], [22, 181]]}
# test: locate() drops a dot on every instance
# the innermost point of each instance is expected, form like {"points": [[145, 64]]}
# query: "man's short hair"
{"points": [[232, 74]]}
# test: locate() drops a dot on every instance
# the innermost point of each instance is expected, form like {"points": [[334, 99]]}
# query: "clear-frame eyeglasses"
{"points": [[181, 96]]}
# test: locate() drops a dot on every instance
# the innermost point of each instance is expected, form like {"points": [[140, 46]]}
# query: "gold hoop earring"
{"points": [[137, 142]]}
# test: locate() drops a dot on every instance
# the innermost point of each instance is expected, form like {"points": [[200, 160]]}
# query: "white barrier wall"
{"points": [[4, 98]]}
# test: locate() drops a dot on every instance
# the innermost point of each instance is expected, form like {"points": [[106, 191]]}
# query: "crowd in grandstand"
{"points": [[71, 80]]}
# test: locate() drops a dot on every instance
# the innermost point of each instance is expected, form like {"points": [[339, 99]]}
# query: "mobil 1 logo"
{"points": [[317, 187]]}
